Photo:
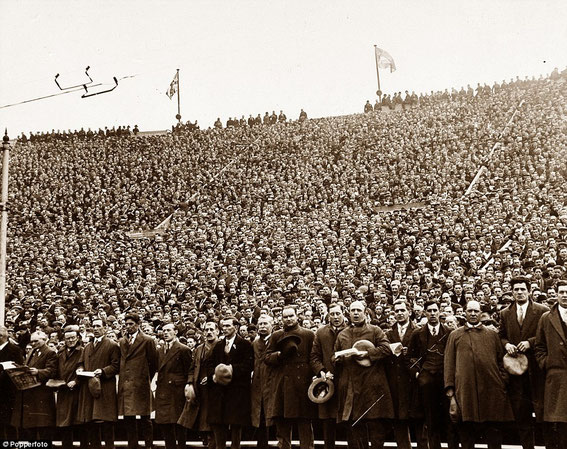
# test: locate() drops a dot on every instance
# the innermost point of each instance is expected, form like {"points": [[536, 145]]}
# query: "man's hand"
{"points": [[34, 371], [511, 349], [523, 346], [450, 392], [71, 384], [97, 372], [329, 375], [361, 355]]}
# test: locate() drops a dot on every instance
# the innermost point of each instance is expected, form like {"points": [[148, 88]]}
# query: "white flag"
{"points": [[384, 60], [173, 86]]}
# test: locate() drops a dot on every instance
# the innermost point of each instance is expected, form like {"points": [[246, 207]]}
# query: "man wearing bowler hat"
{"points": [[518, 326], [288, 354]]}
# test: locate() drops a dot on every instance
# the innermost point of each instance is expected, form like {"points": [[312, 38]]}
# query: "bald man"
{"points": [[9, 352]]}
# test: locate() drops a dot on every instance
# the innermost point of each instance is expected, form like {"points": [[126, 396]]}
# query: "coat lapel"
{"points": [[134, 346], [166, 356], [555, 320], [528, 319]]}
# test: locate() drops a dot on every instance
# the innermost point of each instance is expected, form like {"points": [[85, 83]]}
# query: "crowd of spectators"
{"points": [[121, 131], [293, 212]]}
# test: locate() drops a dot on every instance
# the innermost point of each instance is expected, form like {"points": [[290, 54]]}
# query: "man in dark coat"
{"points": [[34, 409], [261, 385], [291, 377], [518, 326], [229, 396], [98, 414], [68, 361], [425, 356], [475, 376], [363, 393], [173, 367], [194, 415], [402, 385], [551, 354], [9, 352], [321, 364], [138, 364]]}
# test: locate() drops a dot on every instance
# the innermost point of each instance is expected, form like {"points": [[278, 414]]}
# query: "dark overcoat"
{"points": [[9, 353], [36, 407], [194, 415], [138, 364], [404, 389], [363, 388], [473, 368], [320, 360], [261, 383], [291, 377], [230, 404], [173, 367], [551, 354], [105, 356], [511, 332], [67, 399]]}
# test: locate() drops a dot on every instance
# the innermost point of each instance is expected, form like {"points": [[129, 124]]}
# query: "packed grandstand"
{"points": [[372, 206]]}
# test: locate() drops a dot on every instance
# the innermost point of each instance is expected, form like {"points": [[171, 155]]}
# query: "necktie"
{"points": [[521, 316], [434, 331], [227, 347]]}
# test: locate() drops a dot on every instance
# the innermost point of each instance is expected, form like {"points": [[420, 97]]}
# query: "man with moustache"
{"points": [[291, 377], [425, 357], [34, 408], [229, 369], [261, 386], [475, 376], [518, 326], [138, 364], [194, 415], [98, 414], [68, 361], [321, 364], [173, 366], [363, 394], [9, 352]]}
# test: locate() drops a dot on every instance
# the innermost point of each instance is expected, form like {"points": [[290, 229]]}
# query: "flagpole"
{"points": [[378, 92], [178, 116], [4, 224]]}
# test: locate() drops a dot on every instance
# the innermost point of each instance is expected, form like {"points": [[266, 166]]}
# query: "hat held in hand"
{"points": [[94, 387], [321, 390], [223, 374], [289, 345], [364, 345], [515, 365]]}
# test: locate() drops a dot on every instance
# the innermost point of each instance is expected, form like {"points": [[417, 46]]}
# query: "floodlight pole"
{"points": [[178, 116], [378, 92], [4, 224]]}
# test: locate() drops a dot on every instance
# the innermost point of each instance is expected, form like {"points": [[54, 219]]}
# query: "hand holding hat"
{"points": [[223, 374]]}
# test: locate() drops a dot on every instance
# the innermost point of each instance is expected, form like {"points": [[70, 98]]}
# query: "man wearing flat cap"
{"points": [[229, 369], [288, 355], [518, 326]]}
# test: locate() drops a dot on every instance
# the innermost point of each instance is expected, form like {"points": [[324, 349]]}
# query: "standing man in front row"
{"points": [[475, 376], [229, 369], [173, 367], [518, 326], [9, 352], [551, 354], [138, 364], [98, 414], [364, 399], [288, 355]]}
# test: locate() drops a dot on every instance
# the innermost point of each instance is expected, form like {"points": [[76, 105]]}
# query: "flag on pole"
{"points": [[384, 60], [173, 86]]}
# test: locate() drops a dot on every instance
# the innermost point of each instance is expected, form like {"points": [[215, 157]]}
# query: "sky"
{"points": [[248, 57]]}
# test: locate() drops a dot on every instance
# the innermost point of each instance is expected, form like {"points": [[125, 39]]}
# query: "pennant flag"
{"points": [[160, 229], [384, 60], [173, 86]]}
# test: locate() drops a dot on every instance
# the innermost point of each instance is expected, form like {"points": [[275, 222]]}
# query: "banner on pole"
{"points": [[384, 60], [173, 86]]}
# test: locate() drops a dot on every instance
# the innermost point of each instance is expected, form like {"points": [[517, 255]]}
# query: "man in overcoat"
{"points": [[68, 361], [173, 367], [291, 377], [98, 414], [475, 376], [261, 385], [9, 352], [364, 399], [518, 326], [194, 415], [321, 364], [551, 354], [138, 364], [229, 398], [426, 353], [34, 409], [402, 386]]}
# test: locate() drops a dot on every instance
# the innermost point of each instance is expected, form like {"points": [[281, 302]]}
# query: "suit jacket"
{"points": [[417, 349], [173, 367], [138, 364], [511, 332], [36, 407], [10, 352]]}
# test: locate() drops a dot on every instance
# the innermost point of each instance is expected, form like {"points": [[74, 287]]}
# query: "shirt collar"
{"points": [[3, 345], [434, 328]]}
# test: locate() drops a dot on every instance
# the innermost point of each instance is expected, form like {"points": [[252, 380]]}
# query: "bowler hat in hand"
{"points": [[223, 374]]}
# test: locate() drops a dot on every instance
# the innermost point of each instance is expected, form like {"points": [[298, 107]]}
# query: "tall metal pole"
{"points": [[178, 116], [378, 92], [4, 224]]}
